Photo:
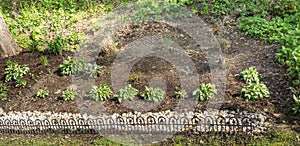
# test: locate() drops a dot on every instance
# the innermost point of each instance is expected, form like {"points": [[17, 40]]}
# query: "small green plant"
{"points": [[153, 94], [44, 60], [255, 91], [79, 67], [3, 90], [66, 68], [68, 94], [204, 91], [14, 71], [100, 92], [57, 45], [180, 94], [250, 75], [42, 93], [296, 97], [21, 83], [128, 92]]}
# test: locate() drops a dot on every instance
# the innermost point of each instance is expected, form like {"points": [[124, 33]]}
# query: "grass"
{"points": [[277, 138]]}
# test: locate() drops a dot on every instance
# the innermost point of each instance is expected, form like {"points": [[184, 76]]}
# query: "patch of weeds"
{"points": [[44, 60], [3, 90], [56, 45], [100, 92], [128, 92], [153, 94], [204, 91], [68, 94], [255, 91], [180, 94], [41, 93], [249, 76], [14, 71]]}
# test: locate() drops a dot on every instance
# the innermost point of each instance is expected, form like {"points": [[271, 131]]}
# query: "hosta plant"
{"points": [[100, 92], [204, 91], [180, 94], [14, 71], [255, 91], [3, 90], [153, 94], [68, 94], [41, 93], [66, 68], [250, 75], [128, 92]]}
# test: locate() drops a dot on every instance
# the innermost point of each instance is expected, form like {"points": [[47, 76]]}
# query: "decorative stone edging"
{"points": [[161, 122]]}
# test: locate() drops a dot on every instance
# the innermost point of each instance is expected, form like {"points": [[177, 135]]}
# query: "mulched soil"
{"points": [[240, 52]]}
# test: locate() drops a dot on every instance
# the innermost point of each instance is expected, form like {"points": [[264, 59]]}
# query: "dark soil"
{"points": [[240, 52]]}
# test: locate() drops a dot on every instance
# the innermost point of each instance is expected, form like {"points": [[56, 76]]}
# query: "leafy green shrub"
{"points": [[180, 94], [204, 91], [153, 94], [255, 91], [3, 90], [44, 60], [57, 45], [250, 75], [128, 92], [14, 71], [41, 93], [68, 94], [100, 92]]}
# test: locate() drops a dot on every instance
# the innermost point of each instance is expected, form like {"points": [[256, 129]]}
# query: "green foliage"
{"points": [[128, 92], [14, 71], [3, 90], [44, 60], [100, 92], [41, 93], [21, 83], [66, 68], [284, 29], [296, 97], [250, 75], [180, 94], [57, 45], [79, 67], [204, 91], [255, 91], [68, 94], [153, 94]]}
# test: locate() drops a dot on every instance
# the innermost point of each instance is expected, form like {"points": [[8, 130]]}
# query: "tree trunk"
{"points": [[8, 47]]}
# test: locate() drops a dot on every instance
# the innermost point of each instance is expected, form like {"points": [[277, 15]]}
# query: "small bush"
{"points": [[68, 94], [180, 94], [57, 45], [250, 75], [3, 90], [42, 93], [204, 91], [255, 91], [153, 94], [128, 92], [14, 71], [44, 60], [100, 92]]}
